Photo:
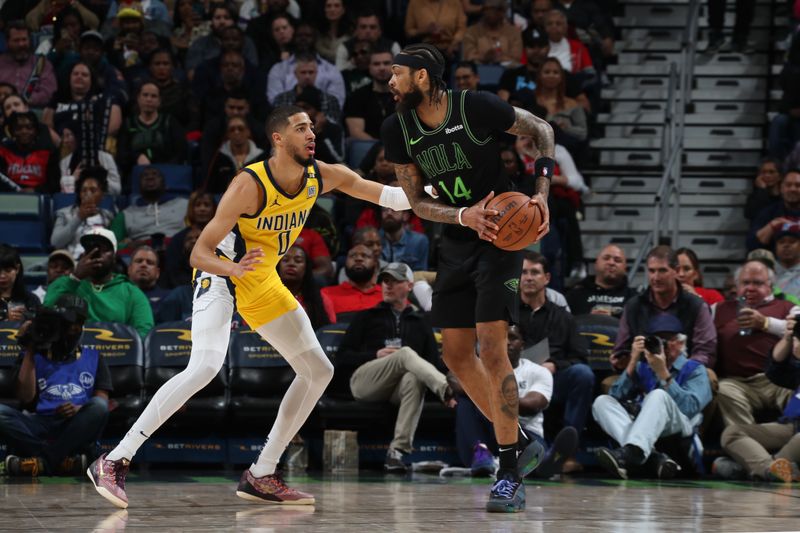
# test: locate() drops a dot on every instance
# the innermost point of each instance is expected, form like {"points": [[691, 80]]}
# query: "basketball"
{"points": [[518, 220]]}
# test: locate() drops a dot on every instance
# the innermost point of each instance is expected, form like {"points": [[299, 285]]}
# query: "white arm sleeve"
{"points": [[394, 198]]}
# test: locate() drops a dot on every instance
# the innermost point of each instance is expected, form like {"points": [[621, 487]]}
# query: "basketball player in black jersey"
{"points": [[448, 139]]}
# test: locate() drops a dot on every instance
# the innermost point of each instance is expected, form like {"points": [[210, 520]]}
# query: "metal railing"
{"points": [[667, 204]]}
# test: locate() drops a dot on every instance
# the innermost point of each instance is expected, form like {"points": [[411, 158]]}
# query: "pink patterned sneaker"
{"points": [[108, 478], [271, 489]]}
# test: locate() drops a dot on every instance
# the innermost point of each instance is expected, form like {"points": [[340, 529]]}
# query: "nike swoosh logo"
{"points": [[412, 142]]}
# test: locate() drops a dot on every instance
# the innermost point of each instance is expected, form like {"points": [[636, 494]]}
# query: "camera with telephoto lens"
{"points": [[653, 344], [51, 332]]}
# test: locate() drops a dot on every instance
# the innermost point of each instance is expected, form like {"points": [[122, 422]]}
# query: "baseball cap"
{"points": [[130, 12], [398, 271], [99, 233], [92, 34], [788, 229], [664, 323], [764, 256], [62, 253]]}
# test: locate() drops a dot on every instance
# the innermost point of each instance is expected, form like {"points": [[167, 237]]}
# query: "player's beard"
{"points": [[410, 100], [300, 159]]}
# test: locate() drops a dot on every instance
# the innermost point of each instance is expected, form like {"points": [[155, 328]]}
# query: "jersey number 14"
{"points": [[459, 191]]}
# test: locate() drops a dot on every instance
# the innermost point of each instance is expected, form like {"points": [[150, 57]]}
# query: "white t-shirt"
{"points": [[561, 51], [533, 378]]}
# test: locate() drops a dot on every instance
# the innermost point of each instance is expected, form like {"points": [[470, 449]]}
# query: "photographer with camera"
{"points": [[15, 300], [63, 389], [750, 444], [659, 394]]}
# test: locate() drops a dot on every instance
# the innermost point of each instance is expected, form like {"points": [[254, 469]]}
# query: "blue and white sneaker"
{"points": [[507, 496]]}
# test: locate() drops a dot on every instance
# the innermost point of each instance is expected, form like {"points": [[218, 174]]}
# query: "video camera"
{"points": [[49, 331]]}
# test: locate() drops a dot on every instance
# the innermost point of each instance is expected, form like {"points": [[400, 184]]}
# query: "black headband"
{"points": [[434, 69]]}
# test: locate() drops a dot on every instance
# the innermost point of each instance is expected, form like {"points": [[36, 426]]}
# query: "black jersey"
{"points": [[460, 157]]}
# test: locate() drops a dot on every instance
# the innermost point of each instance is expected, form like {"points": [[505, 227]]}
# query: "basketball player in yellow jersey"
{"points": [[257, 220]]}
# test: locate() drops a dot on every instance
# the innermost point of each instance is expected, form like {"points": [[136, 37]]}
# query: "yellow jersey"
{"points": [[260, 294]]}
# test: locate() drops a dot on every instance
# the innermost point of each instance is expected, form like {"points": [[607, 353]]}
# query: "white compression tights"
{"points": [[290, 334]]}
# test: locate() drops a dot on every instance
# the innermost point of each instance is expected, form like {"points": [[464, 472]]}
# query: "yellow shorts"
{"points": [[264, 303]]}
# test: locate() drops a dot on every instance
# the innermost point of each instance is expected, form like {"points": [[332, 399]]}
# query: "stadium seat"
{"points": [[9, 351], [178, 178], [329, 338], [167, 350], [600, 332], [24, 221], [123, 352], [259, 377], [490, 77], [356, 150]]}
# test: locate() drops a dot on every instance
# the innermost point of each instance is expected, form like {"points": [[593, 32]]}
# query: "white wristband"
{"points": [[394, 198], [459, 215]]}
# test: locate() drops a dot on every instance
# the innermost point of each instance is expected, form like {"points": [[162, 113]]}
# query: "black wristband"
{"points": [[544, 166]]}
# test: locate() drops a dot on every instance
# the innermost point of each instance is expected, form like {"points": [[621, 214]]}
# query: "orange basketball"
{"points": [[518, 220]]}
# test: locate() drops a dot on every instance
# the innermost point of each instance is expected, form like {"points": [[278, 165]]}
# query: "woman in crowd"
{"points": [[149, 136], [201, 209], [15, 300], [295, 272], [73, 164], [189, 25], [766, 188], [692, 279], [175, 96], [565, 114], [67, 31], [335, 28], [73, 221], [236, 152]]}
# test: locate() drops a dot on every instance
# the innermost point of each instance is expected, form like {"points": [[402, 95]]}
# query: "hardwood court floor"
{"points": [[367, 504]]}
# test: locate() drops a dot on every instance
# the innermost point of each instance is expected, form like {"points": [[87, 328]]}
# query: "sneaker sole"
{"points": [[608, 462], [564, 446], [492, 507], [247, 496], [781, 470], [104, 492], [530, 458]]}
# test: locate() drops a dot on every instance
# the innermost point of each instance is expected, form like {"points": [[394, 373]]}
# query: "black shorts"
{"points": [[475, 282]]}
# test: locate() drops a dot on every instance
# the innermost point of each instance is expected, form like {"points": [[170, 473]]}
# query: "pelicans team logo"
{"points": [[512, 284]]}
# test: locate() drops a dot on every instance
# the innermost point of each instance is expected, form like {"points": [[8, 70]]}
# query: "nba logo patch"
{"points": [[312, 190]]}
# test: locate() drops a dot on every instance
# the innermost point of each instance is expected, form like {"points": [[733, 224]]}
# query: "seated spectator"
{"points": [[153, 11], [525, 76], [360, 291], [389, 351], [273, 34], [34, 81], [571, 53], [14, 103], [666, 295], [357, 76], [282, 75], [607, 292], [466, 76], [335, 26], [189, 25], [564, 114], [536, 21], [199, 211], [236, 152], [330, 137], [305, 73], [111, 297], [80, 106], [177, 305], [150, 137], [787, 266], [25, 165], [368, 106], [771, 451], [401, 245], [106, 79], [153, 215], [59, 263], [541, 321], [210, 46], [592, 26], [77, 161], [64, 387], [746, 332], [174, 93], [368, 28], [15, 300], [475, 440], [766, 188], [125, 42], [215, 129], [784, 130], [295, 272], [317, 253], [493, 39], [691, 278], [67, 31], [660, 393], [371, 238], [73, 221], [144, 272], [442, 24], [771, 218]]}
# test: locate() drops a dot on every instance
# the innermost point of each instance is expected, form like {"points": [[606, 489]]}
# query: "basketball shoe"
{"points": [[271, 489], [108, 478], [507, 495]]}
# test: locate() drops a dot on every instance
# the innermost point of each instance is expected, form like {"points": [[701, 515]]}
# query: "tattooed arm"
{"points": [[544, 144], [476, 217]]}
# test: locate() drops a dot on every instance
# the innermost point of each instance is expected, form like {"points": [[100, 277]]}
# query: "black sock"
{"points": [[508, 459]]}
